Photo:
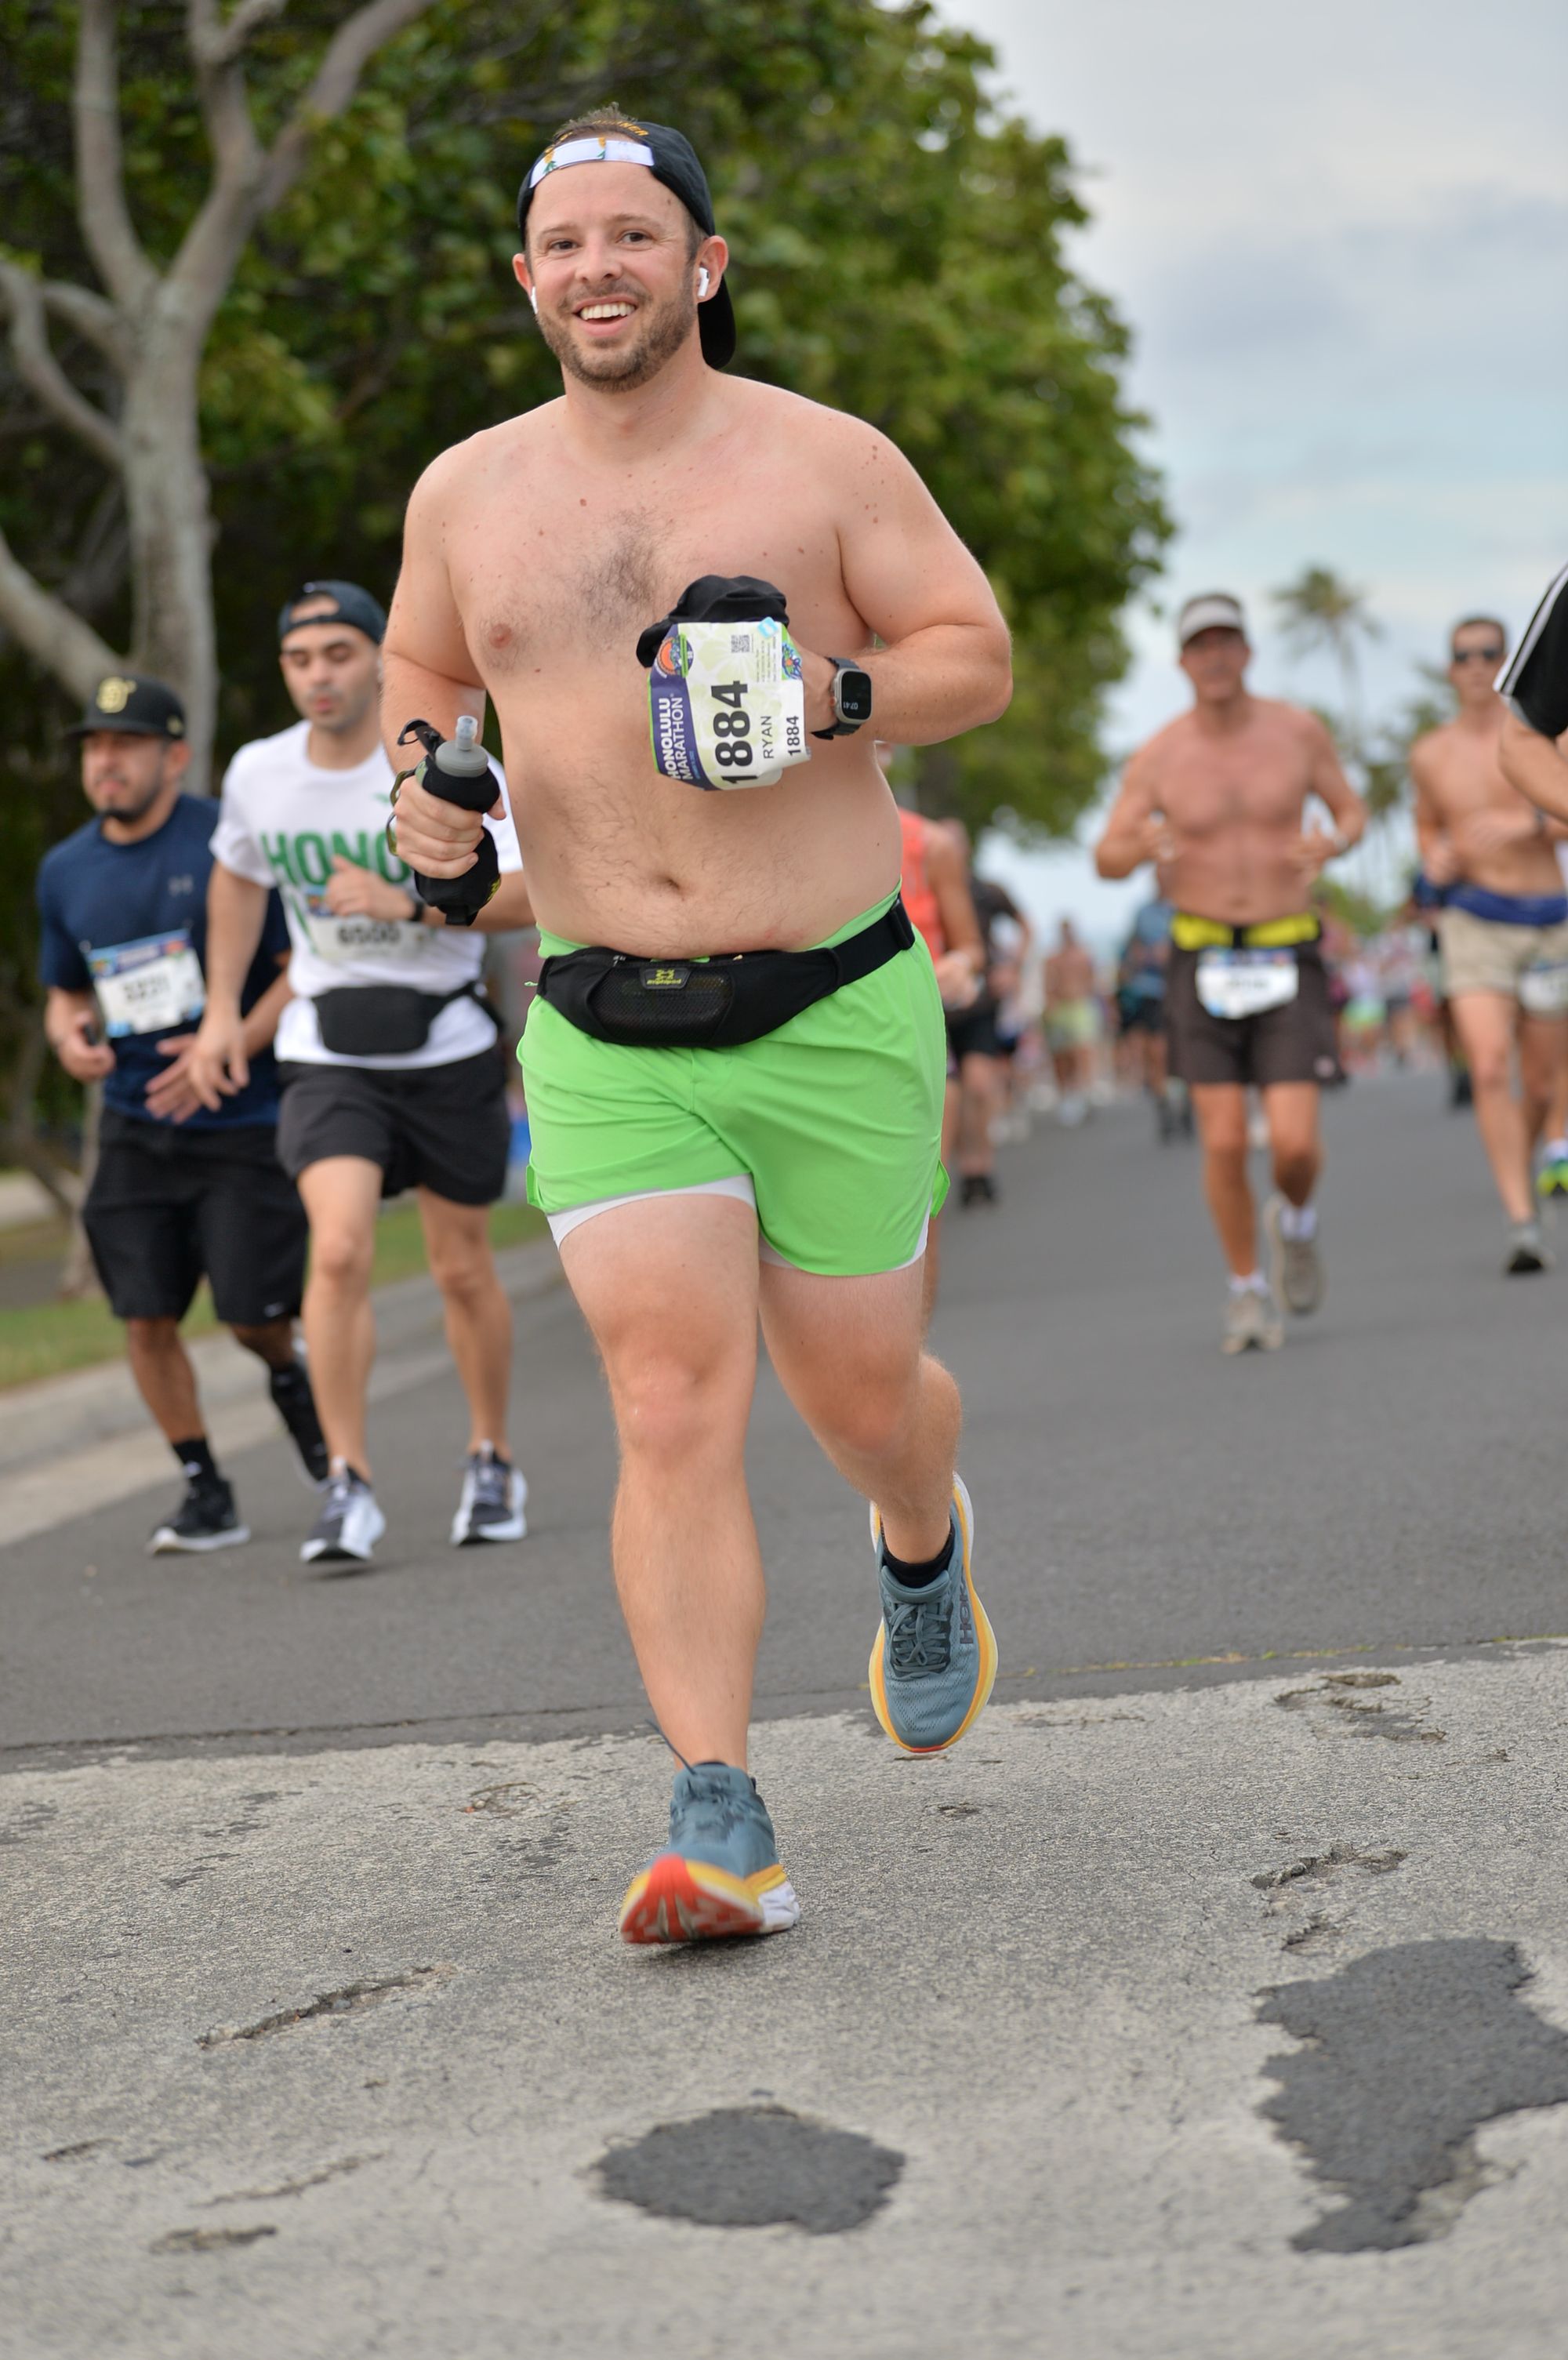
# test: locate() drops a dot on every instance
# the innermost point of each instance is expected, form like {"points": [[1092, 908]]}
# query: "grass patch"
{"points": [[45, 1340]]}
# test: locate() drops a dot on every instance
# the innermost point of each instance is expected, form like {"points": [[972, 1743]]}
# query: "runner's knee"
{"points": [[1491, 1068], [273, 1342], [676, 1405], [463, 1271], [151, 1335], [342, 1256]]}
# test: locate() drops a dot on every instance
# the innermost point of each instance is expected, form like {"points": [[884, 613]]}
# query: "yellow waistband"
{"points": [[1190, 933]]}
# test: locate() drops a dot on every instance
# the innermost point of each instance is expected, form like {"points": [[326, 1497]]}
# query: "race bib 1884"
{"points": [[727, 703], [149, 985]]}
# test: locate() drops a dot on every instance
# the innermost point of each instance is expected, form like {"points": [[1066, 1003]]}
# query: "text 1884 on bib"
{"points": [[727, 703]]}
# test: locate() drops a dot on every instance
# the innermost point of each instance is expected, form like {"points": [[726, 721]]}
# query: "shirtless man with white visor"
{"points": [[794, 1170]]}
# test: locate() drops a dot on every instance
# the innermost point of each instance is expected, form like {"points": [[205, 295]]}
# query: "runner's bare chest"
{"points": [[1256, 781], [554, 571], [1467, 776]]}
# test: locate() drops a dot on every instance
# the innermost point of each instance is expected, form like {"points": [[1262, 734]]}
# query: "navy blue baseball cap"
{"points": [[670, 157], [352, 604]]}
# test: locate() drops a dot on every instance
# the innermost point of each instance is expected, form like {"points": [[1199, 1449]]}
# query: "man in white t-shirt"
{"points": [[388, 1054]]}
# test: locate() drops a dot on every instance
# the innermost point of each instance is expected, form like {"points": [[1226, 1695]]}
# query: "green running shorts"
{"points": [[835, 1119]]}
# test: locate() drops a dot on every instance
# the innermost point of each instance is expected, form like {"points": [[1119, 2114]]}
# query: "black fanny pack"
{"points": [[716, 1003], [385, 1019]]}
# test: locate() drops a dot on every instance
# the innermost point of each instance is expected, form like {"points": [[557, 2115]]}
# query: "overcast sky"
{"points": [[1340, 237]]}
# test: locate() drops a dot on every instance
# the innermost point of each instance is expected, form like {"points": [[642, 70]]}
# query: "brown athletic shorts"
{"points": [[1293, 1043]]}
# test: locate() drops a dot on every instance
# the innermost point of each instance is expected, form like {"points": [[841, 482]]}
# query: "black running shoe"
{"points": [[205, 1519], [296, 1405], [978, 1188]]}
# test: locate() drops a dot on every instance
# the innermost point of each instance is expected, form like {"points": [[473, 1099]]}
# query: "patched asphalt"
{"points": [[1212, 1999]]}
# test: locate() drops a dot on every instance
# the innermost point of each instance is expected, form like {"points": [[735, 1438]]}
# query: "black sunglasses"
{"points": [[1476, 655]]}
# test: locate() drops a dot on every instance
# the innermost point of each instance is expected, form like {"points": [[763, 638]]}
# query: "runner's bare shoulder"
{"points": [[465, 471], [843, 448]]}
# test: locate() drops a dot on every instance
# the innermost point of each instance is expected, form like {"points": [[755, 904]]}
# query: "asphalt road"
{"points": [[1212, 1999], [1391, 1480]]}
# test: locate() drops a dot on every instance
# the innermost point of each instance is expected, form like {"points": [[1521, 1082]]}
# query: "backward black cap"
{"points": [[675, 163]]}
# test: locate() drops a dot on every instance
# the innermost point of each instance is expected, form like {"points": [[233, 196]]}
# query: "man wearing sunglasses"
{"points": [[1504, 929]]}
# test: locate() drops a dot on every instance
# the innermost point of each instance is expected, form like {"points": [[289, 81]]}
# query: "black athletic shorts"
{"points": [[445, 1128], [971, 1032], [1293, 1043], [169, 1206]]}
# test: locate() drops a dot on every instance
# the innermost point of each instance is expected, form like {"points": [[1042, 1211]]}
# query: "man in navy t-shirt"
{"points": [[179, 1191]]}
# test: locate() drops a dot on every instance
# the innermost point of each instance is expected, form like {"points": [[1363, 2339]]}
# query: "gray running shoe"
{"points": [[494, 1494], [934, 1657], [1252, 1324], [349, 1525], [1295, 1266], [719, 1875], [1527, 1251]]}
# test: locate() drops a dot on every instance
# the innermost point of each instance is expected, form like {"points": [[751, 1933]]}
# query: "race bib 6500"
{"points": [[727, 703], [347, 940]]}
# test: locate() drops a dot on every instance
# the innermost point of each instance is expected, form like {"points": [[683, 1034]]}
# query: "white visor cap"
{"points": [[1216, 610]]}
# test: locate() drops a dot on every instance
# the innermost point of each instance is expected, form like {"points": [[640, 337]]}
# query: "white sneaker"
{"points": [[494, 1494], [1252, 1324], [1295, 1265], [350, 1522]]}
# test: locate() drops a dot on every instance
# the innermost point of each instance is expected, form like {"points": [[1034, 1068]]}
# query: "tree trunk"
{"points": [[80, 1278], [172, 529], [23, 1145]]}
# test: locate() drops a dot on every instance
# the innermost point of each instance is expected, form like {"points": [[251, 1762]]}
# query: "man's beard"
{"points": [[140, 804], [662, 333]]}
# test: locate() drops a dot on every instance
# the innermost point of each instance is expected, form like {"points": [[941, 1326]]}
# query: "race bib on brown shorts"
{"points": [[1237, 983]]}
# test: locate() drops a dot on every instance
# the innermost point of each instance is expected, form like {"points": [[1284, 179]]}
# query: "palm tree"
{"points": [[1319, 611]]}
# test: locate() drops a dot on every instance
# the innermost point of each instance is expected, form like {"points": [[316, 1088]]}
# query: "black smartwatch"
{"points": [[851, 699]]}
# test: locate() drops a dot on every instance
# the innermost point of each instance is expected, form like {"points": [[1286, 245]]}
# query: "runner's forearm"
{"points": [[236, 912], [939, 683], [1120, 851], [63, 1011], [412, 691], [1536, 766], [261, 1024]]}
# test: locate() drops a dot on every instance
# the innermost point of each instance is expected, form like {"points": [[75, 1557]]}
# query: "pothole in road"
{"points": [[750, 2167], [1335, 1703], [1413, 2049]]}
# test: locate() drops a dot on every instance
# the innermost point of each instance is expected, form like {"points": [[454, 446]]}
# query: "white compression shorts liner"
{"points": [[736, 1184]]}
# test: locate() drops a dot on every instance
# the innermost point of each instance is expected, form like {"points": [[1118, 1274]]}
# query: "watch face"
{"points": [[854, 696]]}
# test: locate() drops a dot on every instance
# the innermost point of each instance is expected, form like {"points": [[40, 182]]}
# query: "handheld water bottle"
{"points": [[458, 771]]}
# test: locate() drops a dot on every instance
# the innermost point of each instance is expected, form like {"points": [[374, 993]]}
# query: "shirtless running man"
{"points": [[1071, 1021], [793, 1173], [1503, 927], [1217, 801]]}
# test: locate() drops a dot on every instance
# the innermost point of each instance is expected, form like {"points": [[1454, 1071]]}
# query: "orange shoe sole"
{"points": [[677, 1900]]}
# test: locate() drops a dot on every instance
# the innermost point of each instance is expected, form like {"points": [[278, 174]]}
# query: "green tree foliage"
{"points": [[897, 251]]}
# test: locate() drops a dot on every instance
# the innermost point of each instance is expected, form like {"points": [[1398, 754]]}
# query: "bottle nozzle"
{"points": [[467, 729]]}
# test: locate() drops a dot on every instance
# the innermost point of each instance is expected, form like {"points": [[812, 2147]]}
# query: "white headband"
{"points": [[594, 150]]}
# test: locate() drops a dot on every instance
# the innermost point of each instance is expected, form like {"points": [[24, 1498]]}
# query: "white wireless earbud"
{"points": [[701, 285], [533, 297]]}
